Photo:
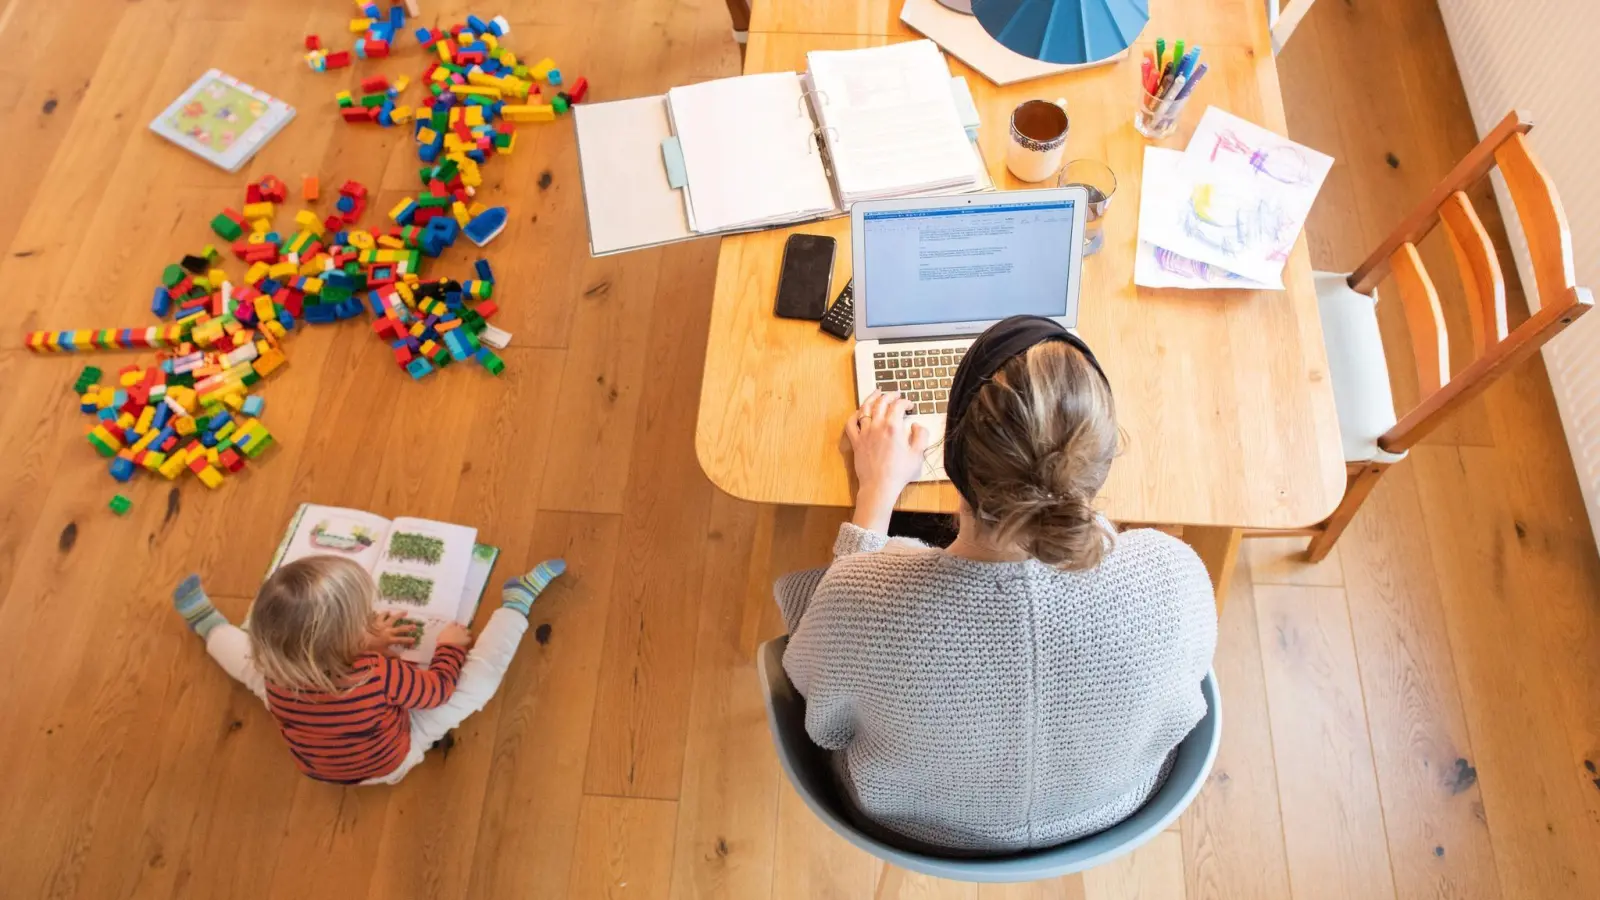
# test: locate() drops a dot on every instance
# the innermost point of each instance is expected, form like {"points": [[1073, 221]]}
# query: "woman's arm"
{"points": [[884, 449]]}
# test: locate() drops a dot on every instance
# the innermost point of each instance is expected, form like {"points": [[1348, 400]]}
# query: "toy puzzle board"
{"points": [[223, 120]]}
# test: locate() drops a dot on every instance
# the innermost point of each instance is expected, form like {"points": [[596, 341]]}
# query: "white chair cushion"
{"points": [[1356, 364]]}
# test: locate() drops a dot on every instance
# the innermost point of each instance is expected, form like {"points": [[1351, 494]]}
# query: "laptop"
{"points": [[932, 273]]}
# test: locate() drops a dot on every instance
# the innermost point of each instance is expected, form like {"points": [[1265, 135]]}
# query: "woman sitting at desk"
{"points": [[1026, 685]]}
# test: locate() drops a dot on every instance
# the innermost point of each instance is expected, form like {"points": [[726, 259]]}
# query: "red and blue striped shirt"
{"points": [[364, 731]]}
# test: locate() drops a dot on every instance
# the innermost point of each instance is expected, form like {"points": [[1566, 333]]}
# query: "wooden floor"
{"points": [[1419, 716]]}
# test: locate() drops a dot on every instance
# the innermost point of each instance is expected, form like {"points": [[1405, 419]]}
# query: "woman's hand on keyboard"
{"points": [[886, 449]]}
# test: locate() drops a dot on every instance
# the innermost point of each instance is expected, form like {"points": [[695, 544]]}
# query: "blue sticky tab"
{"points": [[672, 157]]}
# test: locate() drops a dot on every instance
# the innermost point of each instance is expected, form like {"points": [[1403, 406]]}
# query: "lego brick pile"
{"points": [[193, 408]]}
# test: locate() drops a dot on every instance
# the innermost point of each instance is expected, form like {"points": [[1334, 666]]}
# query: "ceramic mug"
{"points": [[1038, 138]]}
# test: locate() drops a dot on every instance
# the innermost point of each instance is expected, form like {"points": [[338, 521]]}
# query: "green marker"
{"points": [[1161, 51], [1177, 51]]}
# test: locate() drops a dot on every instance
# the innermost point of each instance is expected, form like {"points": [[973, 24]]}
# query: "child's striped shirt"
{"points": [[364, 732]]}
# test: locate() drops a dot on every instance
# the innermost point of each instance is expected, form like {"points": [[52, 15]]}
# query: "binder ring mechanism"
{"points": [[820, 138], [800, 102]]}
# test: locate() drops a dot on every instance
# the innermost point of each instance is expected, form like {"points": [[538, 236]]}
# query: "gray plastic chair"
{"points": [[808, 770]]}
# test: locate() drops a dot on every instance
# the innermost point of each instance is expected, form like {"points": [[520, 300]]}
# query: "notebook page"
{"points": [[892, 126], [749, 152]]}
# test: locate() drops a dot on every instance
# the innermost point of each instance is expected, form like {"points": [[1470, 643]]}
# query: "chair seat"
{"points": [[1357, 366]]}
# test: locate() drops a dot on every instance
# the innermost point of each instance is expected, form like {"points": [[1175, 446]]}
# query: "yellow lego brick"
{"points": [[473, 115], [441, 74], [443, 51], [312, 286], [125, 421], [129, 379], [265, 310], [400, 115], [262, 210], [404, 290], [474, 90], [227, 430], [210, 477], [357, 26], [392, 242], [275, 328], [417, 330], [427, 136], [83, 339], [535, 112], [399, 209], [233, 400], [309, 221], [181, 395], [401, 83], [541, 70], [154, 460], [343, 97], [282, 270], [256, 273], [146, 416], [172, 467], [147, 438], [459, 210], [261, 227]]}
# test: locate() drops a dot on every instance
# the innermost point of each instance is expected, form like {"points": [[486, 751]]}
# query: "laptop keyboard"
{"points": [[923, 376]]}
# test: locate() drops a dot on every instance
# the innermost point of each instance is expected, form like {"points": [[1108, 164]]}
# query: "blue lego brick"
{"points": [[253, 405], [121, 469], [161, 302], [419, 367]]}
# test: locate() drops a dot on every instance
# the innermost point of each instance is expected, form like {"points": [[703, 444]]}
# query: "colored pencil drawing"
{"points": [[1283, 163], [1236, 223]]}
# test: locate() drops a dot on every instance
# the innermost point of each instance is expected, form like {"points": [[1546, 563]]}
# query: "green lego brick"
{"points": [[173, 273], [120, 505], [226, 228]]}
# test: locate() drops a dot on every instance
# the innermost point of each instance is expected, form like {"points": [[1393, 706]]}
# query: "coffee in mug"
{"points": [[1038, 137]]}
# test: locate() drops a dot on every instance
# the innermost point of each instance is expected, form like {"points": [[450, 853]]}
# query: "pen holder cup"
{"points": [[1156, 118]]}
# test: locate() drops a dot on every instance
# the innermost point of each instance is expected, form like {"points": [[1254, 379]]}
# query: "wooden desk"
{"points": [[1224, 395]]}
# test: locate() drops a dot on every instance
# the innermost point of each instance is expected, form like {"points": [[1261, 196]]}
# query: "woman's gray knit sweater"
{"points": [[992, 707]]}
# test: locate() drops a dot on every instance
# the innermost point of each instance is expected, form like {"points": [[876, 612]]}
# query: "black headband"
{"points": [[1003, 341]]}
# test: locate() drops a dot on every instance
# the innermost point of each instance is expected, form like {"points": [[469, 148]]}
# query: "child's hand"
{"points": [[390, 628], [454, 633]]}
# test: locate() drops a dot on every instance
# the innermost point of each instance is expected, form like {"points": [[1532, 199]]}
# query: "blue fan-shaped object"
{"points": [[1065, 32]]}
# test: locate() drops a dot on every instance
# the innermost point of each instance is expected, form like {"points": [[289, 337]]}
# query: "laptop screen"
{"points": [[967, 263]]}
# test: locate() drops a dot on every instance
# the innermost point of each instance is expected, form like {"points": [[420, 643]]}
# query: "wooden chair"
{"points": [[1281, 22], [1374, 437]]}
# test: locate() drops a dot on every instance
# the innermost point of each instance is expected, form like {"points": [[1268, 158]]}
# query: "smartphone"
{"points": [[806, 277]]}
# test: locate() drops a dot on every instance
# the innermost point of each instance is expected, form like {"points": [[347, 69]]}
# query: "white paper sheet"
{"points": [[1214, 215], [892, 126], [1155, 267], [749, 151]]}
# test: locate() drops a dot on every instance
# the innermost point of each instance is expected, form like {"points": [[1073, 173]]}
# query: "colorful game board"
{"points": [[223, 120]]}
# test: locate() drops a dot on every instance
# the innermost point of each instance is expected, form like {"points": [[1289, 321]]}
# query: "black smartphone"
{"points": [[805, 278]]}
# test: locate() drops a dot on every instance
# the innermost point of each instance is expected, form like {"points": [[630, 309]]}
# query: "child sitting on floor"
{"points": [[317, 656]]}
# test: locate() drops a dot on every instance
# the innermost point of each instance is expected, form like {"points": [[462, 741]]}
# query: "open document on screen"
{"points": [[967, 264]]}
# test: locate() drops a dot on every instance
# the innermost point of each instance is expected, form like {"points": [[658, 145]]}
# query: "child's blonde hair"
{"points": [[310, 621]]}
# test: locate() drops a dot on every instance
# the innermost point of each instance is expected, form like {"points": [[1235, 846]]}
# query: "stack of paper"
{"points": [[891, 125], [750, 153], [1225, 212]]}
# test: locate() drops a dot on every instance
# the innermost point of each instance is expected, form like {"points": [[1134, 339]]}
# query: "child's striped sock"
{"points": [[520, 593], [192, 603]]}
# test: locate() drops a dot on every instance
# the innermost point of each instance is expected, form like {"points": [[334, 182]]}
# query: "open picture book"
{"points": [[432, 572]]}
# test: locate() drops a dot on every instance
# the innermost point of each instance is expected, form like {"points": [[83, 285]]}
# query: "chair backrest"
{"points": [[1544, 224], [1283, 16], [808, 770]]}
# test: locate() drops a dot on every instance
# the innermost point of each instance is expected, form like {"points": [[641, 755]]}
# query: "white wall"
{"points": [[1523, 54]]}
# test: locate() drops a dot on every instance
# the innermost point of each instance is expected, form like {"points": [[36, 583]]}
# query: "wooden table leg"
{"points": [[1218, 548]]}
